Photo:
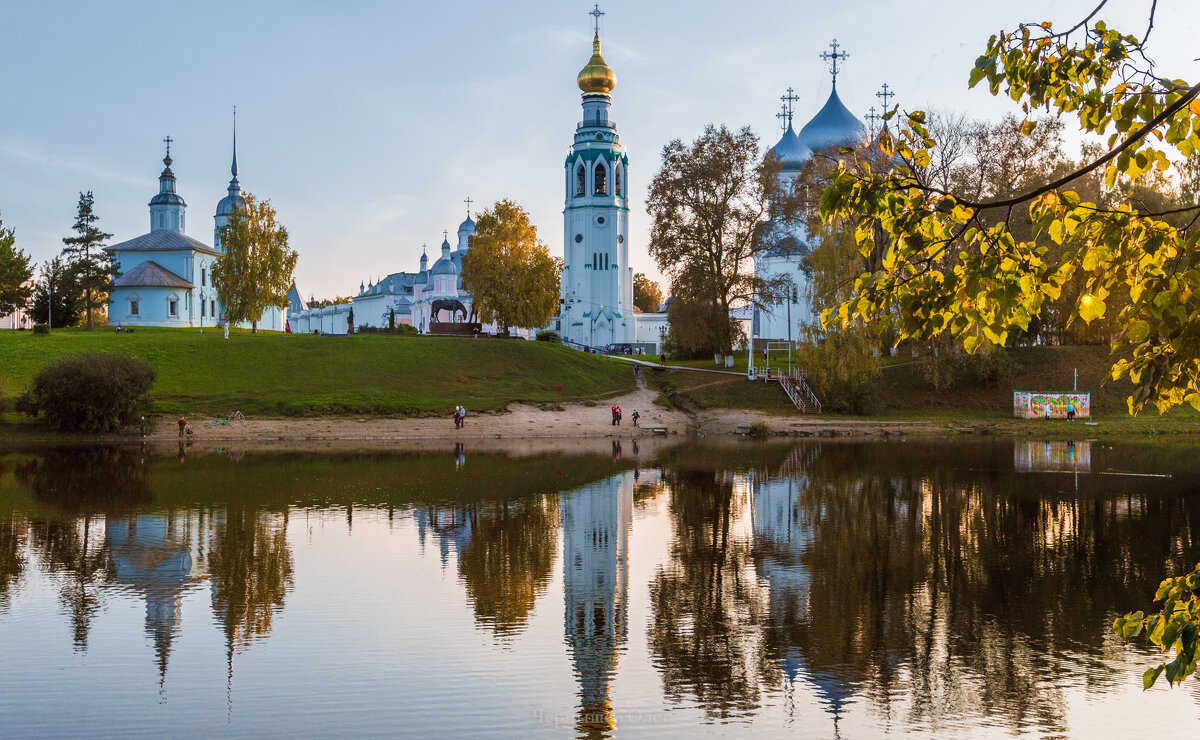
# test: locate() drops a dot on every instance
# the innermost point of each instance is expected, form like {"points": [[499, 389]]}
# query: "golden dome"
{"points": [[597, 77]]}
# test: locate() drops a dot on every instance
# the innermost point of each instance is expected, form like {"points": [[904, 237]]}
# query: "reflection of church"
{"points": [[595, 523], [159, 556], [781, 536]]}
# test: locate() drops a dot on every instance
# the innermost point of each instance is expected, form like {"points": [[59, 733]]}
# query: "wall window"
{"points": [[617, 181], [133, 307], [601, 179], [173, 307], [579, 175], [203, 277], [595, 261], [606, 262], [203, 309], [212, 308]]}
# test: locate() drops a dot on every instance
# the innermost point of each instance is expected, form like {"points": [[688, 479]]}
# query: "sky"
{"points": [[367, 123]]}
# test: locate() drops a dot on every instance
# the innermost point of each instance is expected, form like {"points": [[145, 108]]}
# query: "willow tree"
{"points": [[255, 273], [708, 203], [512, 279]]}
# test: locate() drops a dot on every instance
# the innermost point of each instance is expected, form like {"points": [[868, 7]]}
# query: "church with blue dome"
{"points": [[833, 128], [164, 277]]}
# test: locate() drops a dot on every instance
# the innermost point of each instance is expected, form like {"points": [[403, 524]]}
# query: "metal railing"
{"points": [[596, 124], [799, 391]]}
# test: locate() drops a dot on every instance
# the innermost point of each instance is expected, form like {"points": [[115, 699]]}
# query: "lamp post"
{"points": [[203, 308], [49, 304]]}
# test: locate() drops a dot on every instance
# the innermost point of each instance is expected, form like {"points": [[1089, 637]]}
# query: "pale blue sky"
{"points": [[367, 123]]}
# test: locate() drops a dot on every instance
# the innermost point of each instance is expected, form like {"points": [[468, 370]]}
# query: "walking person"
{"points": [[618, 416], [1070, 411], [636, 416], [614, 414], [1046, 407], [462, 416], [182, 426]]}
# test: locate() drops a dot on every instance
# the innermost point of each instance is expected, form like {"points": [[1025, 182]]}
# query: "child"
{"points": [[636, 416]]}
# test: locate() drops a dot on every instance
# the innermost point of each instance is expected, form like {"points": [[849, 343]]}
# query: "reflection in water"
{"points": [[903, 587], [596, 521]]}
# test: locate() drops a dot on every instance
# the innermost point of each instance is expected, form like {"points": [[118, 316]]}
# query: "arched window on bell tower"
{"points": [[579, 176], [601, 179], [617, 181]]}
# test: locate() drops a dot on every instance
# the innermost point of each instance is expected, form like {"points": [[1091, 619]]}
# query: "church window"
{"points": [[579, 175], [133, 308], [173, 307], [203, 309], [595, 261], [601, 179], [212, 308], [578, 238], [203, 277], [606, 262], [617, 182]]}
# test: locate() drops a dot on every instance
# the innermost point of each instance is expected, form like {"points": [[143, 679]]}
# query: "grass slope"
{"points": [[276, 374]]}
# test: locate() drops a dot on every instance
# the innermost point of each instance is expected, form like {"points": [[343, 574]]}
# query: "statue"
{"points": [[453, 305]]}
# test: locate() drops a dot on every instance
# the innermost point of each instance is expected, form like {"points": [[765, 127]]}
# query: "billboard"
{"points": [[1032, 404]]}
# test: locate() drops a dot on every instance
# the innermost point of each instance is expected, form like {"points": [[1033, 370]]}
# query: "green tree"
{"points": [[15, 273], [510, 275], [646, 294], [85, 255], [954, 264], [57, 296], [708, 204], [255, 272]]}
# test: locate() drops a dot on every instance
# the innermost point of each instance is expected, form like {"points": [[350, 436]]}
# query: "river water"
{"points": [[812, 589]]}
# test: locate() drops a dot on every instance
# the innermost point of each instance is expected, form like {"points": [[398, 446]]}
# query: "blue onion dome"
{"points": [[833, 126], [227, 205], [468, 226], [444, 266], [791, 152]]}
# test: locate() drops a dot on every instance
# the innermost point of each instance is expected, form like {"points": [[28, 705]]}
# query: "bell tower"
{"points": [[597, 280]]}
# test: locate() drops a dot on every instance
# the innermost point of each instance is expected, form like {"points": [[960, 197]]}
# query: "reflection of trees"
{"points": [[251, 568], [960, 584], [705, 601], [85, 480], [506, 563], [66, 548], [12, 559]]}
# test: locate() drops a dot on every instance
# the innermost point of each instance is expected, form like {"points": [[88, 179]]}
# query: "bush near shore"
{"points": [[306, 375]]}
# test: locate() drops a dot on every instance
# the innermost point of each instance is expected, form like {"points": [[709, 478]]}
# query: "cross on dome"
{"points": [[885, 95], [167, 159], [784, 116], [872, 119], [596, 12], [467, 200], [834, 58], [788, 99]]}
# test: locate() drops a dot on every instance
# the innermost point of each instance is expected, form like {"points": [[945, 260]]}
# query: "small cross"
{"points": [[445, 235], [468, 202], [885, 95], [788, 99], [834, 59], [168, 140], [783, 115], [872, 119], [596, 12]]}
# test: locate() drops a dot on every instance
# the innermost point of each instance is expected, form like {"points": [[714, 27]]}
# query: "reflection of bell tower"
{"points": [[595, 523]]}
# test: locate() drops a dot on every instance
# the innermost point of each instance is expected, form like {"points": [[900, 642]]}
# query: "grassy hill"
{"points": [[303, 374]]}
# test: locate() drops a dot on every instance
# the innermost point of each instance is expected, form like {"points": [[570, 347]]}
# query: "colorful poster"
{"points": [[1033, 405]]}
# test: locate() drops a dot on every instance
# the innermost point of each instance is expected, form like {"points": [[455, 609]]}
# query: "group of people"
{"points": [[616, 416], [1048, 409], [460, 414]]}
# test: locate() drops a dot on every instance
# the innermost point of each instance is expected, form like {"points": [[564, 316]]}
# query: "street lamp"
{"points": [[49, 304], [203, 308]]}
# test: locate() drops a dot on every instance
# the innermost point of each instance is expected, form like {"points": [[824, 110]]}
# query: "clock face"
{"points": [[601, 220]]}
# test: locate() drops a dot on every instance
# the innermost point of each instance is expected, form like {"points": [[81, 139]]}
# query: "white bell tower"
{"points": [[597, 280]]}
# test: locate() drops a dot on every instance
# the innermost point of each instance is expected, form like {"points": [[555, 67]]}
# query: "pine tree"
{"points": [[85, 254], [15, 272]]}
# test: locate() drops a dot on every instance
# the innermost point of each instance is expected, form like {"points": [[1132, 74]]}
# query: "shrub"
{"points": [[89, 393], [41, 329], [759, 429], [548, 335]]}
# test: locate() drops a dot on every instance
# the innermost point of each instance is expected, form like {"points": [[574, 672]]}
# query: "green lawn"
{"points": [[287, 375]]}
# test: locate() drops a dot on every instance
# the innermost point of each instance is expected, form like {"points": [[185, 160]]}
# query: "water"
{"points": [[817, 589]]}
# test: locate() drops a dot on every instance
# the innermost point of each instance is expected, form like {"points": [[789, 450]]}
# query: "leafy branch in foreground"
{"points": [[1177, 626], [943, 264]]}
